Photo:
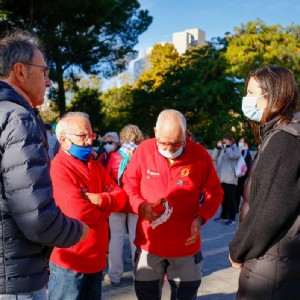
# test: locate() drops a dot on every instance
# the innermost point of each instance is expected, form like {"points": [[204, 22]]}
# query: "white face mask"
{"points": [[170, 155], [250, 110], [109, 148]]}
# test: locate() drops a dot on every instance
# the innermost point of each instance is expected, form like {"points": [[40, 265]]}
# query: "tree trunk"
{"points": [[61, 101]]}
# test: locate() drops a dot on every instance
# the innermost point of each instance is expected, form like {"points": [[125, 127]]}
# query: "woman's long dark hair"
{"points": [[282, 93]]}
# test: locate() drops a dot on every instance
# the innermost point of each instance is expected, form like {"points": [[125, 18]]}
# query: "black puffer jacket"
{"points": [[267, 241], [29, 217]]}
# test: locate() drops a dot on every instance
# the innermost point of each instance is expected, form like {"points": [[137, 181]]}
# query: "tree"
{"points": [[94, 36], [117, 107], [196, 84], [256, 44], [88, 100], [161, 58]]}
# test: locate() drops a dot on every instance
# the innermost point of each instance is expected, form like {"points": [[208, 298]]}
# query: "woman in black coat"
{"points": [[266, 245]]}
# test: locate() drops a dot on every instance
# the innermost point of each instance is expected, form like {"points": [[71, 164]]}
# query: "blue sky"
{"points": [[215, 17]]}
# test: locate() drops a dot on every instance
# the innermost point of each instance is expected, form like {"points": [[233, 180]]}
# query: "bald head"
{"points": [[170, 119], [170, 128]]}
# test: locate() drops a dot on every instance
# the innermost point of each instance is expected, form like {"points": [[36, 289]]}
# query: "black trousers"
{"points": [[229, 201]]}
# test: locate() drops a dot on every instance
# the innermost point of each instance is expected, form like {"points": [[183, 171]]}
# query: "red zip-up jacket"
{"points": [[149, 177], [71, 177]]}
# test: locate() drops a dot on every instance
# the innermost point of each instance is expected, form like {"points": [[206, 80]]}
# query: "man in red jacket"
{"points": [[164, 180], [85, 191]]}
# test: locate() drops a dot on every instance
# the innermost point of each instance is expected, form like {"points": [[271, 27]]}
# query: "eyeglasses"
{"points": [[46, 70], [174, 145], [109, 142], [85, 136]]}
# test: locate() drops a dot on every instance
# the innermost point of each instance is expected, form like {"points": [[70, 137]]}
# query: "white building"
{"points": [[187, 39], [182, 42]]}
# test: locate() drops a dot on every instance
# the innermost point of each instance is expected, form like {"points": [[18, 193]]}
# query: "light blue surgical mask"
{"points": [[80, 152], [250, 110], [241, 144]]}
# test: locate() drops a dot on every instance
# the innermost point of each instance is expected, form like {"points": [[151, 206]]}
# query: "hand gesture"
{"points": [[94, 198], [85, 231], [146, 212], [195, 230], [234, 264]]}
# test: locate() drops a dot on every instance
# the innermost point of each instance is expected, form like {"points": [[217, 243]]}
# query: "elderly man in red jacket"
{"points": [[164, 181], [85, 191]]}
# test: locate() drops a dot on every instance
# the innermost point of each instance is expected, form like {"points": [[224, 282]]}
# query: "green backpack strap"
{"points": [[123, 164]]}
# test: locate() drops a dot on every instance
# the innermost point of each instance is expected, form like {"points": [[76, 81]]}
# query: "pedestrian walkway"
{"points": [[219, 280]]}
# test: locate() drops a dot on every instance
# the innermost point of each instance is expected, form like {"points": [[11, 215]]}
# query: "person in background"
{"points": [[164, 180], [29, 218], [52, 141], [130, 137], [244, 147], [266, 246], [111, 143], [84, 190], [225, 156]]}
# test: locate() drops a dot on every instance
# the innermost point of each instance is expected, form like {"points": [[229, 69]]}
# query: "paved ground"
{"points": [[219, 278]]}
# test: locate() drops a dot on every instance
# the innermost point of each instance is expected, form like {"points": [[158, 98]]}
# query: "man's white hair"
{"points": [[64, 123], [168, 114]]}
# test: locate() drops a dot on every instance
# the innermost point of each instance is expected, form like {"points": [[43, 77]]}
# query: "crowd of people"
{"points": [[225, 157], [66, 207]]}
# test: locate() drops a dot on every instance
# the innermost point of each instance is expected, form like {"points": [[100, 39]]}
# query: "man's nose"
{"points": [[47, 82]]}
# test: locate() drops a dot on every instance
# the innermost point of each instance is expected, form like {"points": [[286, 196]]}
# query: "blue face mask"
{"points": [[80, 152]]}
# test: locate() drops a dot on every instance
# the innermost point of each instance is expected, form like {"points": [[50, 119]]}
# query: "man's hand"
{"points": [[95, 198], [195, 230], [146, 212], [234, 264], [85, 231]]}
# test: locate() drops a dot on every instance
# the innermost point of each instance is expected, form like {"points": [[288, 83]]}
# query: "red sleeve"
{"points": [[213, 192], [115, 199], [68, 196], [131, 180]]}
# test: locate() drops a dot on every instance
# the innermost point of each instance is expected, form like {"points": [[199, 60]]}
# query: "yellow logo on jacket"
{"points": [[185, 172]]}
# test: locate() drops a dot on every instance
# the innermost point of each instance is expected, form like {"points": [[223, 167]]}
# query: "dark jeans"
{"points": [[37, 295], [66, 284], [228, 204]]}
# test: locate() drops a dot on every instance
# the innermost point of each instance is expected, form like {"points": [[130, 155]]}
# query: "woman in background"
{"points": [[244, 147]]}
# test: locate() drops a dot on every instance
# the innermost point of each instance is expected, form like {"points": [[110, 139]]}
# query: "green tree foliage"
{"points": [[88, 100], [94, 36], [256, 44], [195, 84], [160, 60], [49, 112], [117, 107]]}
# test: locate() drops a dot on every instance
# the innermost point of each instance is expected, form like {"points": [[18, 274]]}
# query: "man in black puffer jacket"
{"points": [[29, 218]]}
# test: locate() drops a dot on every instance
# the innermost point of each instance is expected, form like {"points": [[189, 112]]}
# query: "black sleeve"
{"points": [[274, 199]]}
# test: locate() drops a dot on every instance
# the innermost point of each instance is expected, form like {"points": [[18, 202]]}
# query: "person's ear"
{"points": [[20, 72], [64, 142]]}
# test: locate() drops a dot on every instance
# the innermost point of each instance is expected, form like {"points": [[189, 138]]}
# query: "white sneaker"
{"points": [[106, 278]]}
